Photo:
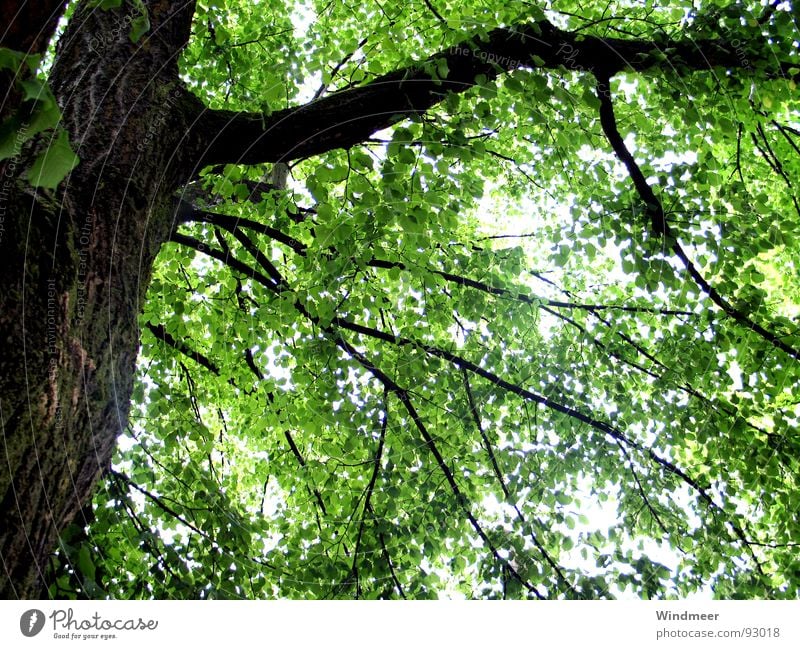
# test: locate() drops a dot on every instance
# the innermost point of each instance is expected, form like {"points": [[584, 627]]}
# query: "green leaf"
{"points": [[140, 25], [85, 563], [53, 165], [12, 60]]}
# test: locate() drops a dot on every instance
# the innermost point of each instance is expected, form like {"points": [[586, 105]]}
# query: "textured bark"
{"points": [[74, 267]]}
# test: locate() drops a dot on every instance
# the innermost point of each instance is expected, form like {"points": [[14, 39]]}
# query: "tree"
{"points": [[350, 384]]}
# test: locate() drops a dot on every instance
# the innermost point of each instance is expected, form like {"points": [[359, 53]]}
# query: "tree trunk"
{"points": [[74, 268]]}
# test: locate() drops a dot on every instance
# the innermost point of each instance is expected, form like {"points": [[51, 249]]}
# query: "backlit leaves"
{"points": [[303, 427]]}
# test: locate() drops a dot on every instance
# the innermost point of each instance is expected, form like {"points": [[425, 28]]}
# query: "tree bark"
{"points": [[74, 268]]}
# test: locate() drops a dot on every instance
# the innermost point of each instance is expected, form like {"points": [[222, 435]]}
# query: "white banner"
{"points": [[384, 625]]}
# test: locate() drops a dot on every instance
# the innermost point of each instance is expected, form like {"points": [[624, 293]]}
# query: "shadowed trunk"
{"points": [[74, 267]]}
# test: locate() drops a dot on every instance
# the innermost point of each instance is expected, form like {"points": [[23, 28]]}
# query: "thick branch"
{"points": [[349, 117]]}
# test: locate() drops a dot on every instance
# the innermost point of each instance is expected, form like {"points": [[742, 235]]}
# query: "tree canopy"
{"points": [[464, 299]]}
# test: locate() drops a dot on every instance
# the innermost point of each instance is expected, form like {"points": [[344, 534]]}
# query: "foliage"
{"points": [[38, 113], [473, 356]]}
